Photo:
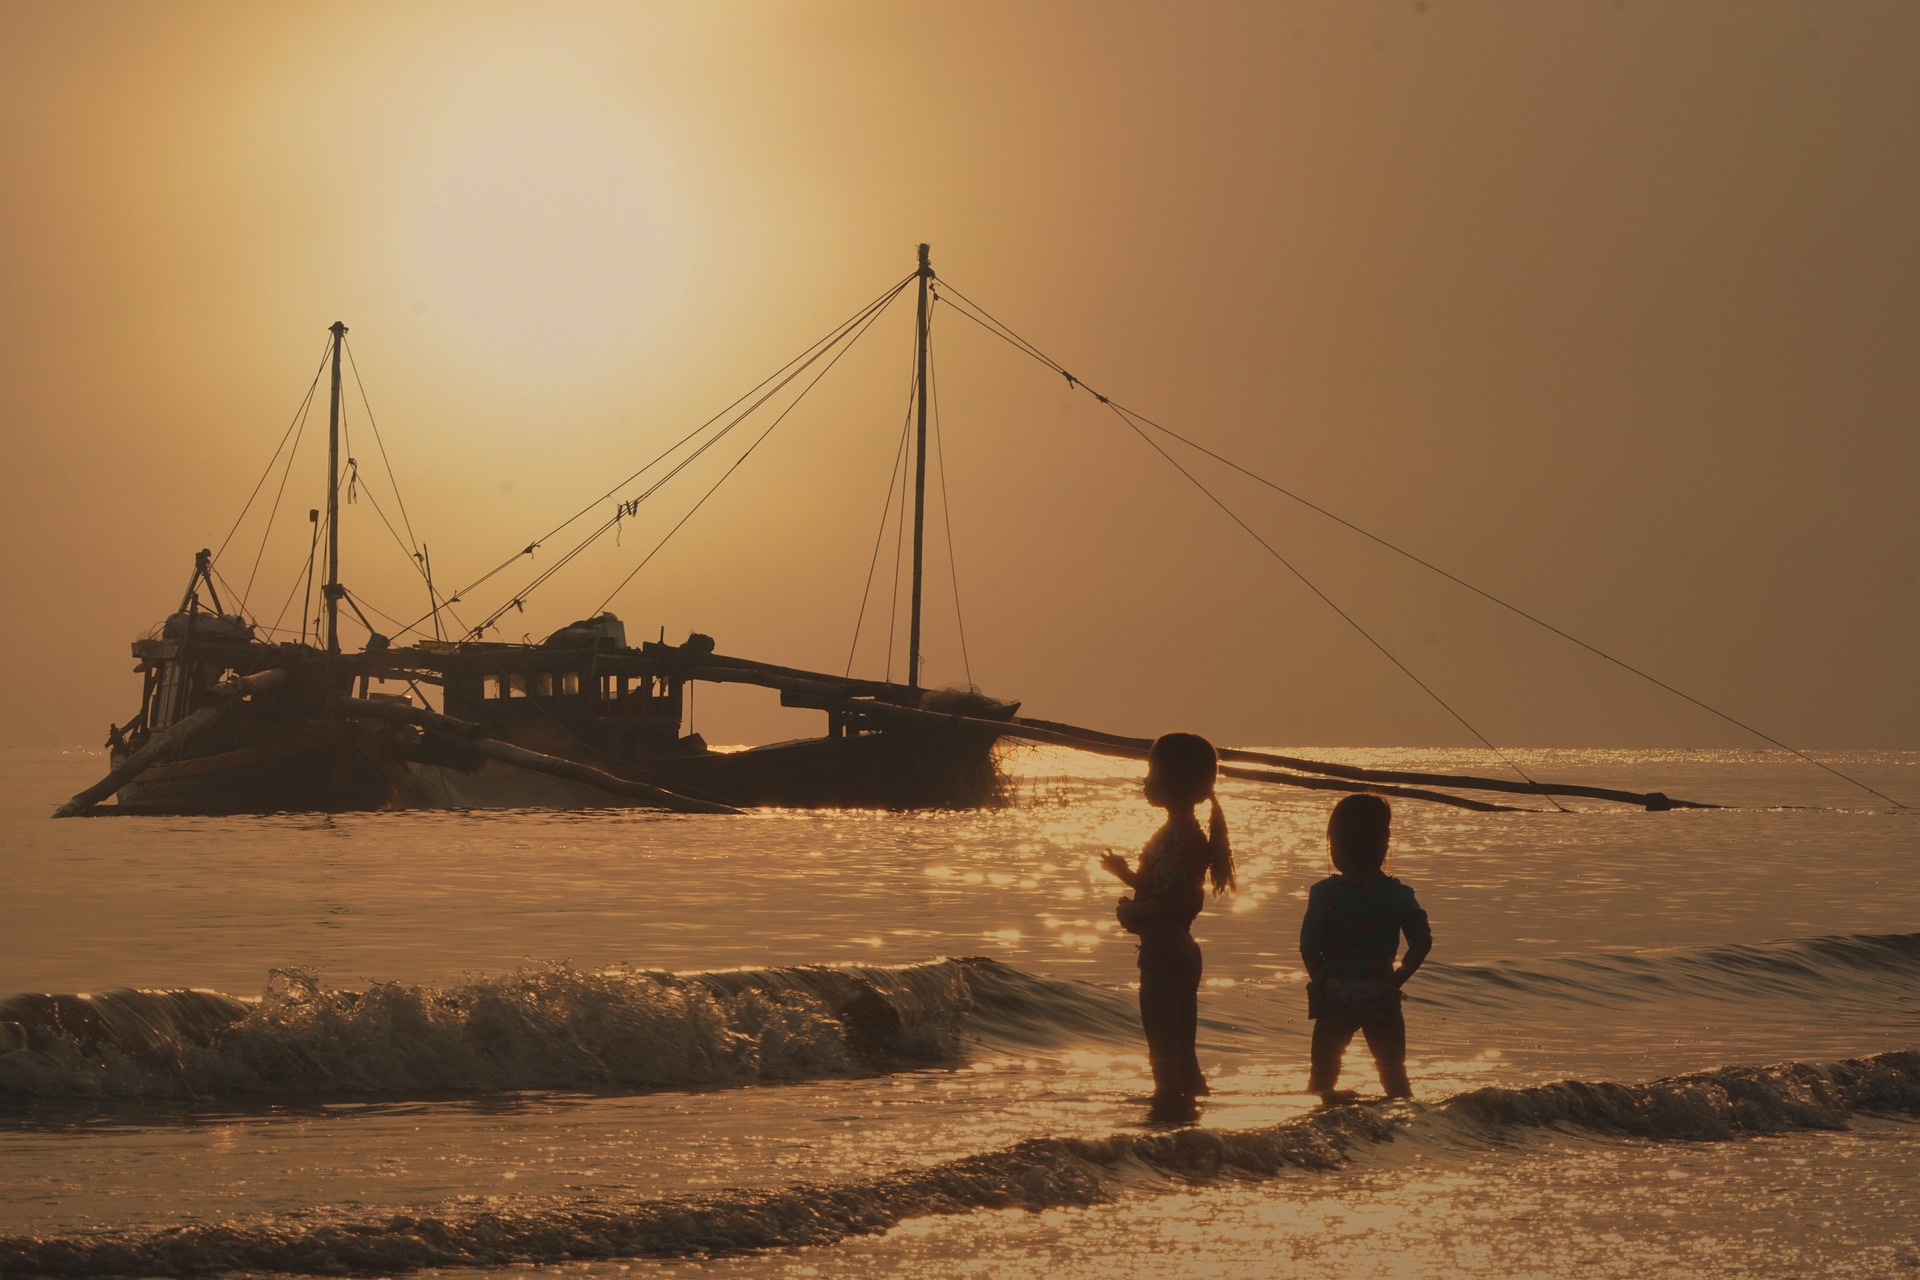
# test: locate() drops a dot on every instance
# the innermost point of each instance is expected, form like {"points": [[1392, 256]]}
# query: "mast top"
{"points": [[926, 270], [339, 327]]}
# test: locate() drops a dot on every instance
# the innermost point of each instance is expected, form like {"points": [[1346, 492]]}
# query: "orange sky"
{"points": [[1608, 307]]}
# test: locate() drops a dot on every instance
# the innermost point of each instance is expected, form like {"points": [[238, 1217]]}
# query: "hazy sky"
{"points": [[1608, 307]]}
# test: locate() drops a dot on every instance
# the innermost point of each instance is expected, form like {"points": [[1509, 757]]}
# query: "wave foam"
{"points": [[551, 1027]]}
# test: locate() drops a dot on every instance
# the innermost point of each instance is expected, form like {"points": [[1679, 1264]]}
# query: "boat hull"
{"points": [[340, 766], [867, 772], [329, 767], [942, 768]]}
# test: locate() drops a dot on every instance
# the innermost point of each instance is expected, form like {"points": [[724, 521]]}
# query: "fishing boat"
{"points": [[230, 721], [233, 724], [233, 718]]}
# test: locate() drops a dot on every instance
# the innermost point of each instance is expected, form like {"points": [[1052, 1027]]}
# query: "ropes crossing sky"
{"points": [[1136, 421], [895, 475], [758, 441], [854, 326], [835, 344]]}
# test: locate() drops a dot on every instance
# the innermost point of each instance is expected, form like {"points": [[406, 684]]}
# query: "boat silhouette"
{"points": [[233, 721]]}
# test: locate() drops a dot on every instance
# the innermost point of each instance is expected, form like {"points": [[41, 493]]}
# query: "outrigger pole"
{"points": [[919, 477], [331, 591]]}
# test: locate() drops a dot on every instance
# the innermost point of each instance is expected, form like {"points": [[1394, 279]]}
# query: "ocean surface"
{"points": [[855, 1044]]}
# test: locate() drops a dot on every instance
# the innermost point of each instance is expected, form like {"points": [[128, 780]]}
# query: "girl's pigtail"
{"points": [[1220, 851]]}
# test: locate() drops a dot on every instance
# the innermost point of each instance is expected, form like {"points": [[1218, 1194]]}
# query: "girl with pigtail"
{"points": [[1168, 892]]}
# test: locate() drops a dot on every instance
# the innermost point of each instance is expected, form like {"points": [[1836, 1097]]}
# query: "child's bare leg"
{"points": [[1387, 1040], [1332, 1033], [1193, 1082], [1161, 1017]]}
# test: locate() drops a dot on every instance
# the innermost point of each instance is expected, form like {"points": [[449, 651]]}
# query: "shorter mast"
{"points": [[331, 591], [919, 478]]}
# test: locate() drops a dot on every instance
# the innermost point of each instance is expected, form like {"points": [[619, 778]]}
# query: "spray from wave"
{"points": [[1039, 1173]]}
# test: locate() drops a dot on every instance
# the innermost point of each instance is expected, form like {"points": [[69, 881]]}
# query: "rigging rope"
{"points": [[627, 508], [1328, 600], [809, 354], [886, 511], [359, 601], [266, 532], [413, 557], [946, 504], [300, 575], [412, 544], [214, 570], [1517, 611], [1273, 551], [899, 549], [299, 415], [998, 328], [728, 473]]}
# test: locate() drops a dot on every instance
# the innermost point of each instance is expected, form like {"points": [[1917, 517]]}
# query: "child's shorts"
{"points": [[1363, 996]]}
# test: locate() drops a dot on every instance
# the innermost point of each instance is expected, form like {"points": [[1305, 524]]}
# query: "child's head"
{"points": [[1180, 770], [1357, 834]]}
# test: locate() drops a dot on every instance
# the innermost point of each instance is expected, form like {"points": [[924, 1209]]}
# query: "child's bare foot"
{"points": [[1172, 1109]]}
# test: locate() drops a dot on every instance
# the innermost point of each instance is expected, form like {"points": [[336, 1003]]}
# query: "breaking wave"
{"points": [[556, 1027], [551, 1027], [1040, 1173]]}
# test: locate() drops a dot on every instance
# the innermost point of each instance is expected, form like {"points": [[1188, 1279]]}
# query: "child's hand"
{"points": [[1115, 864]]}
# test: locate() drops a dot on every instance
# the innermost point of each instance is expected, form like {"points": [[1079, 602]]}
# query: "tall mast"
{"points": [[919, 479], [331, 592]]}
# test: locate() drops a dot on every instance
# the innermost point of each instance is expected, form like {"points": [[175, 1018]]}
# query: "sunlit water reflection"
{"points": [[1604, 944]]}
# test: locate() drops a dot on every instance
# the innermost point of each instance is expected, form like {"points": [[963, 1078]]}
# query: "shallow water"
{"points": [[454, 1039]]}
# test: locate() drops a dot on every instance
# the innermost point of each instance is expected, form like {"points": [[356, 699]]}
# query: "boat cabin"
{"points": [[581, 685]]}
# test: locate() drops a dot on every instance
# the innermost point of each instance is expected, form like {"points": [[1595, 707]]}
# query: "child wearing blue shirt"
{"points": [[1351, 933]]}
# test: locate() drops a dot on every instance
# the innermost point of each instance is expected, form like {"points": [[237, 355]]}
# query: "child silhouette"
{"points": [[1167, 895], [1352, 930]]}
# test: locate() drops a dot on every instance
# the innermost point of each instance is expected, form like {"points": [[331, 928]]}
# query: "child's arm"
{"points": [[1313, 943], [1419, 944], [1313, 955], [1314, 962], [1417, 951], [1118, 868], [1136, 915]]}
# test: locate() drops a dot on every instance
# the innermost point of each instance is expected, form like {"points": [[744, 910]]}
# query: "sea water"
{"points": [[837, 1043]]}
